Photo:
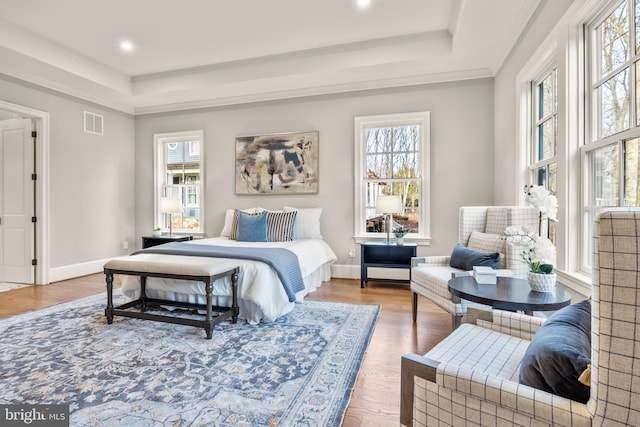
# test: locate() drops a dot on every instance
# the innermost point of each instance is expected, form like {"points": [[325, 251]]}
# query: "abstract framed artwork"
{"points": [[282, 163]]}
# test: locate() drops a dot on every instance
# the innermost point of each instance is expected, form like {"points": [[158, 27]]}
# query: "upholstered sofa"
{"points": [[472, 376], [479, 228]]}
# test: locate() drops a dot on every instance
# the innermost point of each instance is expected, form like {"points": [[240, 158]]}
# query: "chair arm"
{"points": [[516, 324], [413, 365], [474, 315], [431, 260], [518, 398]]}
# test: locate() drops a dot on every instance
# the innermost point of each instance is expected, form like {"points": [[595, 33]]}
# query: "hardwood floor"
{"points": [[375, 400]]}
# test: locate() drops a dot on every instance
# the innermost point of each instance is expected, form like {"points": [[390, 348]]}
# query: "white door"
{"points": [[16, 201]]}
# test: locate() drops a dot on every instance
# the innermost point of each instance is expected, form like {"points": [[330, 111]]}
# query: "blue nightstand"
{"points": [[383, 255]]}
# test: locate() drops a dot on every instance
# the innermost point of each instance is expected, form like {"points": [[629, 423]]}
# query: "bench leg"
{"points": [[234, 297], [109, 310], [208, 323], [143, 293]]}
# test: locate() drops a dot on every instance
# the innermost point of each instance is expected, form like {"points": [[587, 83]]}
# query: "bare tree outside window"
{"points": [[612, 150], [392, 160]]}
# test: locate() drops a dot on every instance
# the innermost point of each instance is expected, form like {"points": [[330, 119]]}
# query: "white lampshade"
{"points": [[169, 205], [388, 204]]}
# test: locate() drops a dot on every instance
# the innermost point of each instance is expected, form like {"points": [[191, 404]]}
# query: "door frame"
{"points": [[42, 231]]}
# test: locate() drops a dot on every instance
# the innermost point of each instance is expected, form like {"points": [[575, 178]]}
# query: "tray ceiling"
{"points": [[200, 53]]}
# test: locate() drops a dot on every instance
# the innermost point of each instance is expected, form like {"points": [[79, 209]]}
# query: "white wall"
{"points": [[506, 184], [461, 155], [91, 179]]}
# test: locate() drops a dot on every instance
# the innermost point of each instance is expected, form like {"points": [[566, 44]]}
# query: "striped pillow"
{"points": [[280, 226]]}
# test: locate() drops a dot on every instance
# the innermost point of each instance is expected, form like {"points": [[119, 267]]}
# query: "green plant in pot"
{"points": [[157, 231], [538, 253], [400, 232]]}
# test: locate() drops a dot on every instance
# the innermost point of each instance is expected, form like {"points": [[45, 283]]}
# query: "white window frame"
{"points": [[594, 140], [159, 172], [532, 142], [422, 119], [534, 163]]}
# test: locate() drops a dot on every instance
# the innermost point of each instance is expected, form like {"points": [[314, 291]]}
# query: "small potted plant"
{"points": [[538, 253], [400, 232], [157, 232]]}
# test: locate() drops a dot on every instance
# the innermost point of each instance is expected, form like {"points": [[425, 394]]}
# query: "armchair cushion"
{"points": [[466, 258], [559, 352], [486, 242]]}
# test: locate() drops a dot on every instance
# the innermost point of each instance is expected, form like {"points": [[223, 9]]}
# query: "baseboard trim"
{"points": [[345, 271], [339, 271], [67, 272]]}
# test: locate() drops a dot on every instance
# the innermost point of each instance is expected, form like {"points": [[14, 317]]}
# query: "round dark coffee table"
{"points": [[509, 294]]}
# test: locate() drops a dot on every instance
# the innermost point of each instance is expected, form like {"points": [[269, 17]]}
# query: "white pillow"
{"points": [[307, 223], [228, 220]]}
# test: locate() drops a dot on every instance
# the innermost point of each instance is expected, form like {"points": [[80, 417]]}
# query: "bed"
{"points": [[261, 294]]}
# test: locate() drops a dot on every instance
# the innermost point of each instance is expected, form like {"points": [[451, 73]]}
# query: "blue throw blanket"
{"points": [[283, 261]]}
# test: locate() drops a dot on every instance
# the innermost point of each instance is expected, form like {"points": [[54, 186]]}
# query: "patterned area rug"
{"points": [[296, 371]]}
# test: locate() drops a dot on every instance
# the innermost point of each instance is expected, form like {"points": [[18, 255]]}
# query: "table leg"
{"points": [[414, 306]]}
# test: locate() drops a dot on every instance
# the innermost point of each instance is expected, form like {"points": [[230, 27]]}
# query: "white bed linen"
{"points": [[261, 296]]}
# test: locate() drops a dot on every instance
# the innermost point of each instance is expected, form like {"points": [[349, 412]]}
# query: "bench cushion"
{"points": [[172, 264]]}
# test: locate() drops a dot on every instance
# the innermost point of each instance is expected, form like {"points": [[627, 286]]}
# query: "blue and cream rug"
{"points": [[296, 371]]}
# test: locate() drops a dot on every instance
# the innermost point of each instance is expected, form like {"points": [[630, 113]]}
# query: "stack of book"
{"points": [[485, 275]]}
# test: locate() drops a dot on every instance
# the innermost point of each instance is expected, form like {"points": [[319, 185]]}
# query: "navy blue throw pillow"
{"points": [[559, 352], [465, 258]]}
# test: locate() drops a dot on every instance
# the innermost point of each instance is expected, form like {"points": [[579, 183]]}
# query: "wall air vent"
{"points": [[93, 123]]}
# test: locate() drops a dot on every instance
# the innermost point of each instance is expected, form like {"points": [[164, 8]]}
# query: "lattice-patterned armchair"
{"points": [[472, 376], [479, 228]]}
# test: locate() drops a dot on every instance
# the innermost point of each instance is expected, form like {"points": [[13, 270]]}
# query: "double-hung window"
{"points": [[178, 175], [610, 154], [543, 164], [391, 158]]}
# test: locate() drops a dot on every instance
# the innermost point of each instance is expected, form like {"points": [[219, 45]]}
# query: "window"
{"points": [[178, 175], [543, 164], [391, 159], [610, 154]]}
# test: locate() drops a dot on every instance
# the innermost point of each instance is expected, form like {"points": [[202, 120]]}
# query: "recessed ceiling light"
{"points": [[127, 46], [363, 3]]}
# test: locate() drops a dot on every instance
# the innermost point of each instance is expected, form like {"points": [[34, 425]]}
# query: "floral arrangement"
{"points": [[400, 231], [539, 251], [543, 200]]}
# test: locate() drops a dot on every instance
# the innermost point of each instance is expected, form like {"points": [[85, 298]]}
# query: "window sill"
{"points": [[418, 240], [576, 281], [194, 234]]}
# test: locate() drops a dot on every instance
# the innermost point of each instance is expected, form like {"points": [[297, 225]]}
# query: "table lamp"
{"points": [[170, 206], [388, 205]]}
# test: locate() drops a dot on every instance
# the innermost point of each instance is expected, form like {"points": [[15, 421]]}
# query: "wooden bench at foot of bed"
{"points": [[201, 269]]}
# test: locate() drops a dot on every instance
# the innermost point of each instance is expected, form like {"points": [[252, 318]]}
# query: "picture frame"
{"points": [[279, 163]]}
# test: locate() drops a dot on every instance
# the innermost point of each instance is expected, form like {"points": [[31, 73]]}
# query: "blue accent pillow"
{"points": [[252, 228], [559, 352], [465, 258]]}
